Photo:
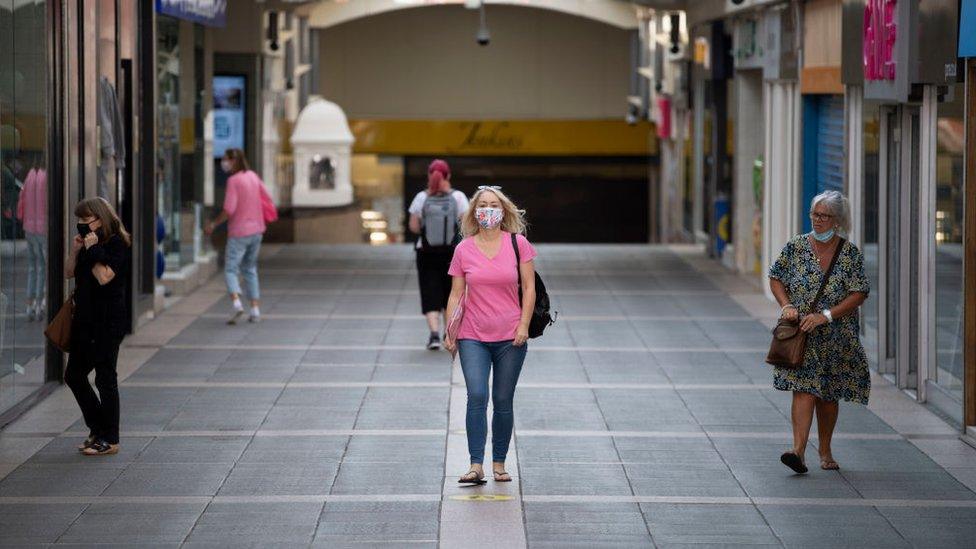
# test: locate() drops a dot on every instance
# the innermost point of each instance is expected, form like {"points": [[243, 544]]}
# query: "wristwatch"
{"points": [[826, 313]]}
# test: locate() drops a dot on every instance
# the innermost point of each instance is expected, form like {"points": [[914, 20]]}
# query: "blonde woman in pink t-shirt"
{"points": [[495, 326], [245, 229]]}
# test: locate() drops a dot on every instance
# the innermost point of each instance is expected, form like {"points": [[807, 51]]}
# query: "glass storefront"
{"points": [[23, 197], [872, 123], [180, 151], [950, 149]]}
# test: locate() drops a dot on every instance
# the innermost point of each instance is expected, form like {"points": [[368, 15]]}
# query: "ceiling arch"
{"points": [[328, 13]]}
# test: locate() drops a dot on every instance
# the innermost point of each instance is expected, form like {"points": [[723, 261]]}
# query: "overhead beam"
{"points": [[328, 13]]}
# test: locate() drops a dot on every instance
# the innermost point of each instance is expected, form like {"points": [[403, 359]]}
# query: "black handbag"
{"points": [[541, 318], [789, 343]]}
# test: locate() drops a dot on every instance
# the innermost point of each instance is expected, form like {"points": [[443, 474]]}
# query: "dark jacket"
{"points": [[101, 311]]}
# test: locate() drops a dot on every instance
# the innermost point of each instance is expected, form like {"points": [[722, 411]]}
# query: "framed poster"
{"points": [[229, 119]]}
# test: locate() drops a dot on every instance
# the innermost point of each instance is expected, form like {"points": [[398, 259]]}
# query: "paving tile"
{"points": [[603, 480], [389, 522], [193, 450], [33, 524], [279, 479], [303, 449], [384, 478], [678, 524], [170, 479], [831, 526], [256, 524], [134, 524], [933, 526], [59, 480]]}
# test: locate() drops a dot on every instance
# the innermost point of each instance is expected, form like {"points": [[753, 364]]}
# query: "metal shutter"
{"points": [[830, 144]]}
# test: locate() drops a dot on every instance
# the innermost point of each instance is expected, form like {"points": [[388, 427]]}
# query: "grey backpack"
{"points": [[439, 218]]}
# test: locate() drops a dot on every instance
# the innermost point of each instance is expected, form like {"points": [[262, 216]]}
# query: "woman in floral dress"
{"points": [[835, 367]]}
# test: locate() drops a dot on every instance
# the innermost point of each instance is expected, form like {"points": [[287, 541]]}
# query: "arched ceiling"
{"points": [[619, 13]]}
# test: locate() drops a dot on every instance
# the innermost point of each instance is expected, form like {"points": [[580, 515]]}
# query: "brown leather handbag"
{"points": [[789, 341], [59, 330]]}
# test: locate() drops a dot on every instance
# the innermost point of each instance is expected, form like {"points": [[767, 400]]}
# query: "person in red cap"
{"points": [[434, 215]]}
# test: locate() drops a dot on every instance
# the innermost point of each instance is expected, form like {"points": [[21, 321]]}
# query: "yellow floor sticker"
{"points": [[482, 497]]}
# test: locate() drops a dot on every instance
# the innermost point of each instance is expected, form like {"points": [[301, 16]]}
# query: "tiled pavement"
{"points": [[644, 418]]}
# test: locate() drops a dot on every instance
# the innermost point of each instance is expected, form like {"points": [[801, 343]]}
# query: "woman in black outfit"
{"points": [[99, 263]]}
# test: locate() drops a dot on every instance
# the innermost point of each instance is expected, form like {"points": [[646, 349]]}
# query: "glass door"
{"points": [[899, 219]]}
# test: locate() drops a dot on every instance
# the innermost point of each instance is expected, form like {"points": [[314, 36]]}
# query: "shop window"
{"points": [[24, 223], [950, 150]]}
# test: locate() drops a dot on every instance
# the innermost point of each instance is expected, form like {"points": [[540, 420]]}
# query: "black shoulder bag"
{"points": [[541, 319]]}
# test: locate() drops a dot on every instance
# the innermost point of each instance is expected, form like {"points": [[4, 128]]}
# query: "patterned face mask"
{"points": [[489, 218]]}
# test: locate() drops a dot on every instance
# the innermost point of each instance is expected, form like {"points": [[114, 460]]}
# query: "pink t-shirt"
{"points": [[492, 310], [243, 205]]}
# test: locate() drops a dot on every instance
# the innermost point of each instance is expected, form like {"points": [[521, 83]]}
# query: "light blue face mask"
{"points": [[823, 237]]}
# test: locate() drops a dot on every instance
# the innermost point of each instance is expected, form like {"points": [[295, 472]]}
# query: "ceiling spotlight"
{"points": [[483, 37]]}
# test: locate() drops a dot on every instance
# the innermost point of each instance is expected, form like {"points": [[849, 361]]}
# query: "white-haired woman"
{"points": [[835, 366], [495, 326]]}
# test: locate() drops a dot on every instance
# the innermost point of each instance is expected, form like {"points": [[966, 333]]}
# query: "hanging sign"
{"points": [[212, 13], [967, 28]]}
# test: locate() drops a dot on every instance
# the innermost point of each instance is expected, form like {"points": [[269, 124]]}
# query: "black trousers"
{"points": [[101, 412], [435, 283]]}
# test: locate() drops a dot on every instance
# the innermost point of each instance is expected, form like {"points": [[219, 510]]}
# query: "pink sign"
{"points": [[664, 117], [880, 33]]}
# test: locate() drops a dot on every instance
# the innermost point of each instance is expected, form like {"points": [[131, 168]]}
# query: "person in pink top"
{"points": [[245, 230], [494, 328], [32, 212]]}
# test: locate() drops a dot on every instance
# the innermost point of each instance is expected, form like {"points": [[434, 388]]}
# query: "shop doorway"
{"points": [[899, 200]]}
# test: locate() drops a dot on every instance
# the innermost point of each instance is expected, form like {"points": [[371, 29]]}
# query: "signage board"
{"points": [[212, 13], [229, 120], [967, 28]]}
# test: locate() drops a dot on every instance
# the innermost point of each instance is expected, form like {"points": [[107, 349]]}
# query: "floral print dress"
{"points": [[835, 366]]}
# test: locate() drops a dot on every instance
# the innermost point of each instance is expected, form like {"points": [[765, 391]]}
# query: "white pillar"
{"points": [[854, 152], [781, 178]]}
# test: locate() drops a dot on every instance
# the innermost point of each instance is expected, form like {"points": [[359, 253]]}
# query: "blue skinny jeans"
{"points": [[477, 359]]}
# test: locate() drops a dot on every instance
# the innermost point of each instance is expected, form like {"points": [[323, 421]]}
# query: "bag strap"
{"points": [[826, 276], [518, 262]]}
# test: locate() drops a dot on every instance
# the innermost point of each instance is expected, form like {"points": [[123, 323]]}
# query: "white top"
{"points": [[417, 206]]}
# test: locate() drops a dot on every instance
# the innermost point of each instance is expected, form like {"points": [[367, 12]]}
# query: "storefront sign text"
{"points": [[212, 13]]}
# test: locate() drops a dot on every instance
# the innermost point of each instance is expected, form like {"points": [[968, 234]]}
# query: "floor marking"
{"points": [[783, 435], [246, 347], [536, 498], [419, 320], [482, 497], [429, 384], [745, 500], [276, 433]]}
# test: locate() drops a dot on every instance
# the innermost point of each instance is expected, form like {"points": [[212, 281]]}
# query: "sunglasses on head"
{"points": [[489, 187]]}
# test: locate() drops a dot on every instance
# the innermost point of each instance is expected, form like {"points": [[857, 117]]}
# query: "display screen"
{"points": [[229, 113]]}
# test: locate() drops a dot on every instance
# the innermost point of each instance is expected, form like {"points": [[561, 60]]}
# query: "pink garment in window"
{"points": [[32, 205]]}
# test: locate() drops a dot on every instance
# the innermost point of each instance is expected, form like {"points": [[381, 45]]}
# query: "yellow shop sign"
{"points": [[504, 138]]}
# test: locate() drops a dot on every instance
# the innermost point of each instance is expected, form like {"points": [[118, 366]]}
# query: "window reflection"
{"points": [[948, 242], [871, 116], [23, 198]]}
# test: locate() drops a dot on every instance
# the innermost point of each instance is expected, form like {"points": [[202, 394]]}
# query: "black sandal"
{"points": [[500, 473], [101, 448], [87, 443], [794, 462], [476, 481]]}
